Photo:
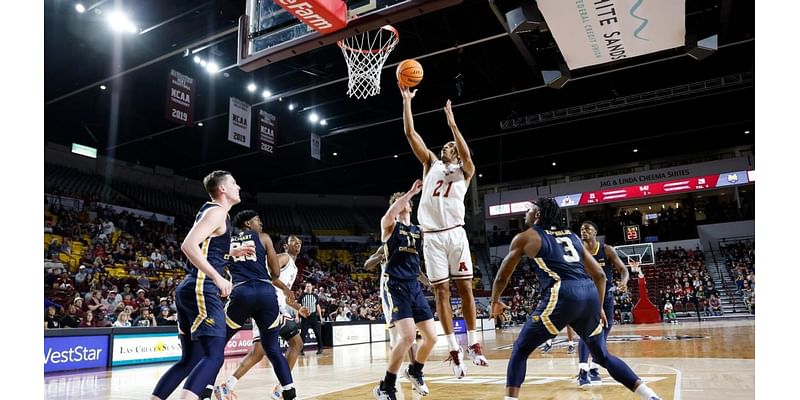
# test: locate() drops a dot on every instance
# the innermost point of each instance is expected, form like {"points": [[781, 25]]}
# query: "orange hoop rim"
{"points": [[394, 42]]}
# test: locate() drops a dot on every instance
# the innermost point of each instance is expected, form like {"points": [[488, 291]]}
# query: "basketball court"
{"points": [[690, 361], [379, 45]]}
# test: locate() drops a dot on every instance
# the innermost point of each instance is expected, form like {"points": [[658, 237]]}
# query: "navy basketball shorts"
{"points": [[200, 309], [253, 299], [570, 302], [404, 299]]}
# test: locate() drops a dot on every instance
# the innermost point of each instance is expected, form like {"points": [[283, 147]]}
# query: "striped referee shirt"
{"points": [[309, 301]]}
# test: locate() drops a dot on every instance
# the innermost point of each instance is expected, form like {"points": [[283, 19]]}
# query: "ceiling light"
{"points": [[199, 124], [102, 87], [323, 122], [265, 94], [203, 63], [336, 154], [635, 150], [313, 117], [120, 22], [291, 106], [395, 156], [197, 60], [480, 175], [212, 67], [251, 87], [554, 163], [80, 7], [746, 132]]}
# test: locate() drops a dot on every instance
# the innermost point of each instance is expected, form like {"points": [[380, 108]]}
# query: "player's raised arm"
{"points": [[388, 220], [425, 156], [211, 221], [463, 149], [613, 258]]}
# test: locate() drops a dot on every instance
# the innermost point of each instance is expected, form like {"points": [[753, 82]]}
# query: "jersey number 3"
{"points": [[439, 184], [570, 253]]}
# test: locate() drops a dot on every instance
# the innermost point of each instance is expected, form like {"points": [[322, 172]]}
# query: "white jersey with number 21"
{"points": [[442, 203]]}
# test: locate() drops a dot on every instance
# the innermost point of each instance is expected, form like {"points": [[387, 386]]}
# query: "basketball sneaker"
{"points": [[476, 355], [594, 376], [277, 392], [547, 347], [380, 394], [221, 392], [583, 380], [455, 359], [417, 383], [571, 349]]}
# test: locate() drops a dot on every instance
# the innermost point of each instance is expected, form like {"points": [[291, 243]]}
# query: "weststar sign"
{"points": [[324, 16]]}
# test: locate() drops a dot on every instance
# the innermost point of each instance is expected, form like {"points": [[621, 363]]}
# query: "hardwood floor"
{"points": [[709, 361]]}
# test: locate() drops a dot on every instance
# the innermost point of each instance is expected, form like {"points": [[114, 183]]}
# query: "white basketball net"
{"points": [[365, 54]]}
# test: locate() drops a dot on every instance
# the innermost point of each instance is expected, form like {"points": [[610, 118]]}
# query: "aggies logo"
{"points": [[462, 267]]}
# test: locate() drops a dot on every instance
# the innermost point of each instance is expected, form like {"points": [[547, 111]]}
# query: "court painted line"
{"points": [[678, 379]]}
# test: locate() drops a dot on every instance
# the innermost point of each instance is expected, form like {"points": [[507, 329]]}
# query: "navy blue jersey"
{"points": [[402, 251], [248, 268], [599, 254], [215, 249], [560, 257]]}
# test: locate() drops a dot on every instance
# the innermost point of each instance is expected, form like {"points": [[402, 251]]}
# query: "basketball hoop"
{"points": [[365, 54]]}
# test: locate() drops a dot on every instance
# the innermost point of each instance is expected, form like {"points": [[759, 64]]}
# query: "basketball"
{"points": [[409, 73]]}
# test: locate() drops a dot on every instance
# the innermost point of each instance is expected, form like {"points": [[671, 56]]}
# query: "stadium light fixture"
{"points": [[80, 8], [251, 87], [291, 107], [266, 94], [313, 117], [103, 87], [197, 60], [212, 67], [323, 122]]}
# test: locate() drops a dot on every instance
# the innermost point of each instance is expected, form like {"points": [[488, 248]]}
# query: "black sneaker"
{"points": [[417, 381], [384, 394]]}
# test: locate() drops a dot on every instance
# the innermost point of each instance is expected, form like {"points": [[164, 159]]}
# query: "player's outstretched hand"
{"points": [[406, 92], [224, 286], [497, 308], [243, 251], [448, 110], [603, 318], [416, 187], [304, 312], [635, 267]]}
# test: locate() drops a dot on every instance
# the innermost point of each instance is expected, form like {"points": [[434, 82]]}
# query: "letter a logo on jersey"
{"points": [[462, 267]]}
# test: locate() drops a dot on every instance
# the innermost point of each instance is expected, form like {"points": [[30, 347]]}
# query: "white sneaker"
{"points": [[417, 383], [277, 392], [456, 358], [221, 392], [476, 355]]}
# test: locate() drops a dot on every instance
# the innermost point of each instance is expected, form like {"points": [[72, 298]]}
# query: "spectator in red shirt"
{"points": [[89, 321], [95, 305]]}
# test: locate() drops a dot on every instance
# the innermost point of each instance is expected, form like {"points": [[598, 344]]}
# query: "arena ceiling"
{"points": [[126, 121]]}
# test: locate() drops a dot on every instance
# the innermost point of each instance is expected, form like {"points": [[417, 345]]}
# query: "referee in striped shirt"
{"points": [[310, 301]]}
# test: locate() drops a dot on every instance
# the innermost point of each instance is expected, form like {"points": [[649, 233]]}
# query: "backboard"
{"points": [[268, 33], [642, 252]]}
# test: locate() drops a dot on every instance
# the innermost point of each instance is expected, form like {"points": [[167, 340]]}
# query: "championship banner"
{"points": [[267, 132], [180, 98], [239, 122], [315, 146], [592, 32]]}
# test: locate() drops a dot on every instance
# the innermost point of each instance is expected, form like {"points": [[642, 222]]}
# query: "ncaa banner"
{"points": [[591, 32], [267, 132], [239, 122], [315, 146], [180, 98]]}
